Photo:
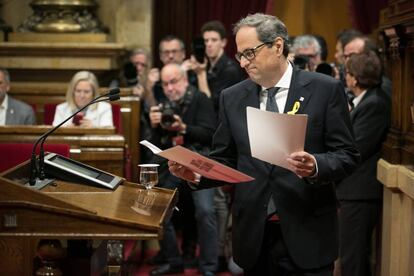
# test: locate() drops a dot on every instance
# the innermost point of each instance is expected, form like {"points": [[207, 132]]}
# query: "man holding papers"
{"points": [[284, 221]]}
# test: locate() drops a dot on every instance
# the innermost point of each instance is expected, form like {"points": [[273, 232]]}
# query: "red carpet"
{"points": [[136, 265]]}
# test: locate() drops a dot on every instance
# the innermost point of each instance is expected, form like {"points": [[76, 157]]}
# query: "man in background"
{"points": [[308, 46], [12, 111], [360, 44], [191, 126], [219, 71]]}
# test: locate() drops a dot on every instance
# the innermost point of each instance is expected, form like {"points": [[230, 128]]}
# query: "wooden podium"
{"points": [[75, 211]]}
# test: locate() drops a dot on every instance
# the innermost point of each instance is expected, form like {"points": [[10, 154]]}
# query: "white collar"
{"points": [[5, 103], [358, 99]]}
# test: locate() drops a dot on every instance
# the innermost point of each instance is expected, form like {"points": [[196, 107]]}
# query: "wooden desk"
{"points": [[73, 210], [39, 94], [93, 146]]}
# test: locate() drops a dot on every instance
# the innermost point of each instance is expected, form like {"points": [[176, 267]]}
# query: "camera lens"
{"points": [[168, 111]]}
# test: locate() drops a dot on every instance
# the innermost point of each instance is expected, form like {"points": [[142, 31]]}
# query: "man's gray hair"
{"points": [[6, 74], [268, 28], [306, 41]]}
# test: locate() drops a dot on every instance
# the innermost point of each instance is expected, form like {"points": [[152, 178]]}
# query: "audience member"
{"points": [[361, 44], [284, 221], [172, 50], [360, 193], [81, 90], [13, 111], [141, 61], [342, 39], [308, 46], [218, 71], [191, 126]]}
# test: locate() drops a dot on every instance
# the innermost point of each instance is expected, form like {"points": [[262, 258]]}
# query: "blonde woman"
{"points": [[81, 90]]}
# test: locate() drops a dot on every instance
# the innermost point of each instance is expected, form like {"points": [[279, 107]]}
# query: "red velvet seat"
{"points": [[50, 109], [13, 154]]}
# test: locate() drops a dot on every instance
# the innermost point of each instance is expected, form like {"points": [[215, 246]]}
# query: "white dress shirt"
{"points": [[3, 110], [281, 95]]}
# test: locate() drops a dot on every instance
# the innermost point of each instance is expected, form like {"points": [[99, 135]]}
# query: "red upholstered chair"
{"points": [[13, 154], [50, 110], [49, 113], [117, 117]]}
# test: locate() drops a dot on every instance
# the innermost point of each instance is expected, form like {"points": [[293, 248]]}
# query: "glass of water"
{"points": [[148, 175]]}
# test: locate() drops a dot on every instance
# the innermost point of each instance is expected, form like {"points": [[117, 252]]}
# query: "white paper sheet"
{"points": [[199, 164], [273, 136]]}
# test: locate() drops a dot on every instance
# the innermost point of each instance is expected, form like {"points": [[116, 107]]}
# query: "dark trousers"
{"points": [[274, 259], [357, 220]]}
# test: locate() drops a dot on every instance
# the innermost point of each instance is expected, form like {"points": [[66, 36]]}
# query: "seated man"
{"points": [[12, 111]]}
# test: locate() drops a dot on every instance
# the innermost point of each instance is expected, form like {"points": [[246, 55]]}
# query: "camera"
{"points": [[301, 61], [168, 110], [199, 49], [130, 74]]}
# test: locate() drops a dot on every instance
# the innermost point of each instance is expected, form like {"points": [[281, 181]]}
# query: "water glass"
{"points": [[148, 175]]}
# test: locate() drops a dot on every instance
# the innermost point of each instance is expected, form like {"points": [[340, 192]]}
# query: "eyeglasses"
{"points": [[250, 53], [172, 82], [141, 64], [168, 52]]}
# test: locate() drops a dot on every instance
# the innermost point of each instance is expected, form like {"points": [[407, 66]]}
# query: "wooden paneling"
{"points": [[322, 17]]}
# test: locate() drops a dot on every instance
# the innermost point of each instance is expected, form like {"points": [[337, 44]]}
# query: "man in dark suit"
{"points": [[360, 193], [285, 221], [12, 111]]}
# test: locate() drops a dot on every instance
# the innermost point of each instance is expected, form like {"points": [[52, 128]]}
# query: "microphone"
{"points": [[112, 95]]}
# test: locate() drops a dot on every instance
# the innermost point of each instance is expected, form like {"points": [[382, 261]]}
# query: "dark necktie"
{"points": [[271, 106], [271, 101], [351, 98]]}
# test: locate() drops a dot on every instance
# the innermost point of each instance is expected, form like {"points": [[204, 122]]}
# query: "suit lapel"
{"points": [[251, 96], [297, 93]]}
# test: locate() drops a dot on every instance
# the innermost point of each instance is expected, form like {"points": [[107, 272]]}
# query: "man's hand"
{"points": [[138, 90], [154, 75], [183, 172], [155, 116], [178, 125], [302, 164], [198, 67]]}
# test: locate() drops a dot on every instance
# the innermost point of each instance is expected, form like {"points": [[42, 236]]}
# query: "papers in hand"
{"points": [[273, 136], [199, 164]]}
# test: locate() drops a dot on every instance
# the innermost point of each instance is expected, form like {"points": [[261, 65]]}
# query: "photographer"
{"points": [[186, 119]]}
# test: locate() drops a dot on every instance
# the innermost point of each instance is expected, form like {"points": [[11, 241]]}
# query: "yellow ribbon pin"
{"points": [[295, 108]]}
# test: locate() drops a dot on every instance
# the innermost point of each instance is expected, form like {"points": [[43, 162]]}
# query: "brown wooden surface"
{"points": [[397, 27], [70, 210], [39, 94], [93, 146]]}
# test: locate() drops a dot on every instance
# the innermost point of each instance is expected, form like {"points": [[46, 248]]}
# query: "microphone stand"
{"points": [[40, 182]]}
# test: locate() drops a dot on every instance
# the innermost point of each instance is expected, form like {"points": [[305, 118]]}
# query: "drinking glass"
{"points": [[148, 175]]}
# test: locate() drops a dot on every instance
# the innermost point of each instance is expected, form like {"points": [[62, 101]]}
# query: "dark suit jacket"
{"points": [[370, 122], [307, 210], [19, 113]]}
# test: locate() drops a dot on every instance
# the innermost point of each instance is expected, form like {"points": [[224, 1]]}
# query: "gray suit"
{"points": [[19, 113]]}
